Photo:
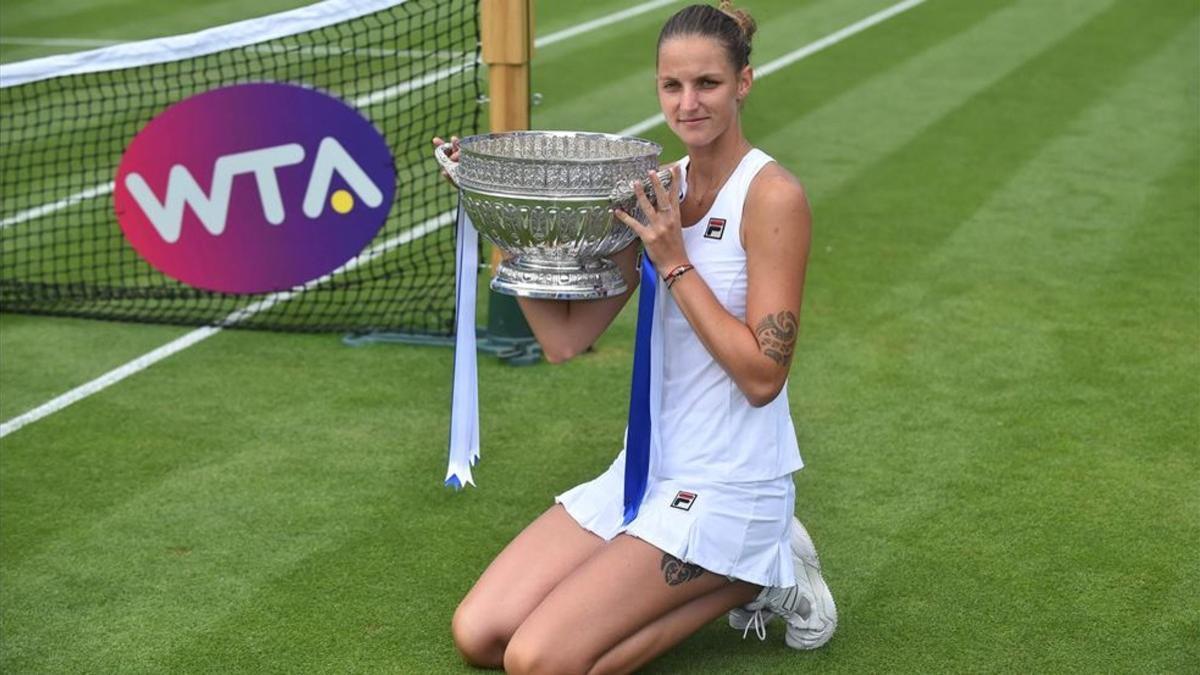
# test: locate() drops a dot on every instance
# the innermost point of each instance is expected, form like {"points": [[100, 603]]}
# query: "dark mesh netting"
{"points": [[410, 69]]}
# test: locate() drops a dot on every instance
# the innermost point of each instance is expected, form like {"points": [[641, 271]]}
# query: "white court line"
{"points": [[558, 36], [72, 200], [587, 26], [333, 50], [179, 344], [58, 42], [544, 41], [403, 88], [305, 50], [835, 37], [143, 362]]}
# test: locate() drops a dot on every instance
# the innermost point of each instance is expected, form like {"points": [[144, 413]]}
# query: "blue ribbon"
{"points": [[637, 439]]}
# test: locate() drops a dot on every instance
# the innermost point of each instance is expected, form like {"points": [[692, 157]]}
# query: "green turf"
{"points": [[36, 363], [997, 389], [118, 20]]}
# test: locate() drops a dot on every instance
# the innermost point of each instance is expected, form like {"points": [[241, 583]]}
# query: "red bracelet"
{"points": [[671, 277]]}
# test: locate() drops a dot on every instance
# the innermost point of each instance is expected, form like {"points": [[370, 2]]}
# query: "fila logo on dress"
{"points": [[715, 228], [683, 500]]}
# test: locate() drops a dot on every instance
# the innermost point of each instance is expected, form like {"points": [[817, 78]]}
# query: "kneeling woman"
{"points": [[594, 585]]}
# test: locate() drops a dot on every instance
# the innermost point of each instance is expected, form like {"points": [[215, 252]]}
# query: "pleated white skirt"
{"points": [[739, 530]]}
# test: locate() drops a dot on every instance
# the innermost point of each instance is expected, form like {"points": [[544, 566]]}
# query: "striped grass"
{"points": [[997, 389]]}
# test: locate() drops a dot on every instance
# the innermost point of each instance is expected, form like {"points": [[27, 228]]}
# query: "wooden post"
{"points": [[507, 34], [507, 50]]}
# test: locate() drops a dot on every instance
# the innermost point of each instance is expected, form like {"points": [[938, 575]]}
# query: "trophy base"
{"points": [[535, 279]]}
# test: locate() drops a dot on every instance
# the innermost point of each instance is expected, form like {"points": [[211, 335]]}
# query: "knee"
{"points": [[531, 657], [481, 642]]}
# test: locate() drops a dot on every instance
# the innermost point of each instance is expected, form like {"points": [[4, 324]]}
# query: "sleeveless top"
{"points": [[703, 427]]}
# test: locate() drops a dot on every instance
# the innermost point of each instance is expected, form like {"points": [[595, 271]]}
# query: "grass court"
{"points": [[997, 386]]}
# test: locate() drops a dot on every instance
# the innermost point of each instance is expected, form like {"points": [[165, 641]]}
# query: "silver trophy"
{"points": [[546, 199]]}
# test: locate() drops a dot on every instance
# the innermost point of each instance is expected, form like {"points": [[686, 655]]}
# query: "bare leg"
{"points": [[621, 590], [674, 627], [547, 551]]}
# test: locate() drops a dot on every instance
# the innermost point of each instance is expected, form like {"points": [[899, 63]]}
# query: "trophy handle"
{"points": [[450, 166], [624, 192]]}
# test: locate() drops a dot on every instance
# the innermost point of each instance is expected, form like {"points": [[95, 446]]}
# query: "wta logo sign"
{"points": [[254, 188]]}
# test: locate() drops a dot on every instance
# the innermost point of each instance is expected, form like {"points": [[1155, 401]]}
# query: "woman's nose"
{"points": [[690, 98]]}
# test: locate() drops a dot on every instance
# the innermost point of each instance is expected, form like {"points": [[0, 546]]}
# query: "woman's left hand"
{"points": [[662, 231]]}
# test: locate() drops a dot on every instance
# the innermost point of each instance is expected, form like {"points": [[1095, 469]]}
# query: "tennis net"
{"points": [[409, 66]]}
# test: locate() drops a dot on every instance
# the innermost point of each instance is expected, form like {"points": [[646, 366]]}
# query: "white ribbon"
{"points": [[464, 406]]}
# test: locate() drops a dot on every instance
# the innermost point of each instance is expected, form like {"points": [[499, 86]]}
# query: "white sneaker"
{"points": [[807, 607]]}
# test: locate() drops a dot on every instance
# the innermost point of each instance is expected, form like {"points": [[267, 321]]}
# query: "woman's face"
{"points": [[698, 88]]}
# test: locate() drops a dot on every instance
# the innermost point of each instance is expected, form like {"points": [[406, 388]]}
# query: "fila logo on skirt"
{"points": [[683, 500], [715, 228]]}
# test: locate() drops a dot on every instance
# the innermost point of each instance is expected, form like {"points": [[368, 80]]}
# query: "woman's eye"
{"points": [[670, 85], [708, 84]]}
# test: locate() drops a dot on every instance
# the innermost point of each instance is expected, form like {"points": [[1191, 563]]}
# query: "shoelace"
{"points": [[759, 623]]}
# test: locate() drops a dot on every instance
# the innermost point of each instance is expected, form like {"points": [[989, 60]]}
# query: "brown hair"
{"points": [[733, 28]]}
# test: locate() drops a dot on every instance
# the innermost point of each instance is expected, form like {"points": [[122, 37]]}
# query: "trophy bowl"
{"points": [[546, 200]]}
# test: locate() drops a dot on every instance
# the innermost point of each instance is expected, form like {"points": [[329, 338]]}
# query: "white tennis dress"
{"points": [[720, 491]]}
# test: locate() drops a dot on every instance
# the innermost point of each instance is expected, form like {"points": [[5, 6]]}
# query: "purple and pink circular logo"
{"points": [[254, 188]]}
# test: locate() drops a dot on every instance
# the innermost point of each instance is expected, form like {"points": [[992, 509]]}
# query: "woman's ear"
{"points": [[745, 80]]}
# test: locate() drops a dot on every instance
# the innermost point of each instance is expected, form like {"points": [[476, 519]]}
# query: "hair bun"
{"points": [[741, 16]]}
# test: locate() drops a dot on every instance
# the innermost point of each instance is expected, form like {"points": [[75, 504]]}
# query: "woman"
{"points": [[581, 591]]}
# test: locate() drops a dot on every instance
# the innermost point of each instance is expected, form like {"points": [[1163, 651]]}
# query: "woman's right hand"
{"points": [[451, 150]]}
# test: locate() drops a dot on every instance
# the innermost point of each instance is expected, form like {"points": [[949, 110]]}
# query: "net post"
{"points": [[506, 29], [507, 36]]}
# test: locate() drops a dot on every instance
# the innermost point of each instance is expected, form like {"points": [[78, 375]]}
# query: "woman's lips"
{"points": [[693, 122]]}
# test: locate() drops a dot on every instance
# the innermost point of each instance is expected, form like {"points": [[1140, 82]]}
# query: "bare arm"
{"points": [[757, 354], [565, 328], [776, 229]]}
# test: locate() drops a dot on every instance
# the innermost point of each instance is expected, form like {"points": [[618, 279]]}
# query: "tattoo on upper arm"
{"points": [[776, 335], [676, 571]]}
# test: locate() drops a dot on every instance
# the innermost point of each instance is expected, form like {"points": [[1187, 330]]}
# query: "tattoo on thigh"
{"points": [[676, 571], [776, 335]]}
